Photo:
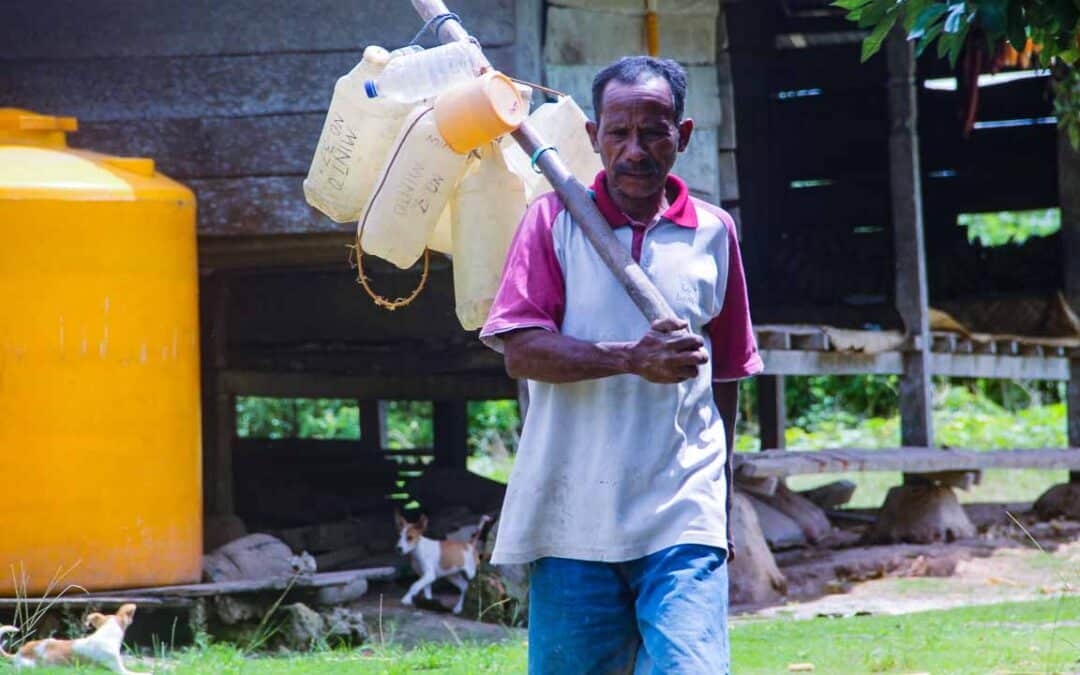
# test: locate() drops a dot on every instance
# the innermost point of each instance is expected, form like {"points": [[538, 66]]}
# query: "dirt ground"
{"points": [[983, 574]]}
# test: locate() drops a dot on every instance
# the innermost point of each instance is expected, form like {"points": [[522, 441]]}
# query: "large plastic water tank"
{"points": [[99, 367]]}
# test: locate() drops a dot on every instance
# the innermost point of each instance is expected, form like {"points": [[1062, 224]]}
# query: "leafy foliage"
{"points": [[1010, 227]]}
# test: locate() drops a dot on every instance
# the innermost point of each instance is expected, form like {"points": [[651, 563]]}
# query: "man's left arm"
{"points": [[734, 356], [726, 395]]}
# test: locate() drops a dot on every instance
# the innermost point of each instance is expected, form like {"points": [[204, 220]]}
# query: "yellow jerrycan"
{"points": [[561, 124], [441, 238], [414, 187], [355, 138], [485, 214]]}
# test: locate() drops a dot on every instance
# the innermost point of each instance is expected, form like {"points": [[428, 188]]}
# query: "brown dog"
{"points": [[101, 647]]}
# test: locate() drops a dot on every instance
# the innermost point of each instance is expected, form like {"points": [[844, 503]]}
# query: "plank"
{"points": [[634, 8], [258, 206], [772, 411], [583, 36], [829, 363], [59, 29], [97, 600], [471, 387], [307, 581], [281, 250], [703, 101], [699, 165], [163, 87], [1000, 366], [782, 463]]}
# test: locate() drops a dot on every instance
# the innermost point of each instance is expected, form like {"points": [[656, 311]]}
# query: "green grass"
{"points": [[1014, 637], [1032, 637]]}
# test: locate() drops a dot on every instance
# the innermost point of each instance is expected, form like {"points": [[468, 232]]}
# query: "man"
{"points": [[619, 494]]}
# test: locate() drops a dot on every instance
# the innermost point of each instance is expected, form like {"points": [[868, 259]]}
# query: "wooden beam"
{"points": [[793, 362], [921, 460], [998, 366], [1069, 187], [364, 387], [916, 427], [219, 404], [451, 433], [371, 437], [772, 412]]}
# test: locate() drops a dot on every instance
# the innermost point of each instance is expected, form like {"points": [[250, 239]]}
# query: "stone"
{"points": [[346, 625], [300, 627], [921, 514], [354, 589], [1060, 501], [831, 495], [781, 531], [753, 577], [810, 517]]}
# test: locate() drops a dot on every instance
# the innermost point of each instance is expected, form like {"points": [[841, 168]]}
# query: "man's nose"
{"points": [[635, 151]]}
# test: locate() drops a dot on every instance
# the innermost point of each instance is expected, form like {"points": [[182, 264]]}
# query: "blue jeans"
{"points": [[664, 613]]}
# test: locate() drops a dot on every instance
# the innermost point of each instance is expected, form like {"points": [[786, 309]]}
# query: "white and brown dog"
{"points": [[101, 647], [438, 558]]}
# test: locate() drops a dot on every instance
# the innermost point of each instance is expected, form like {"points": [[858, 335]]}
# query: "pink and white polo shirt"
{"points": [[616, 468]]}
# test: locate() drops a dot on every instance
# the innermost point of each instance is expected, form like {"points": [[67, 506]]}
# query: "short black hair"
{"points": [[631, 69]]}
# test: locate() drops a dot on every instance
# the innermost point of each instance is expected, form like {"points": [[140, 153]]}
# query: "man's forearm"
{"points": [[551, 357]]}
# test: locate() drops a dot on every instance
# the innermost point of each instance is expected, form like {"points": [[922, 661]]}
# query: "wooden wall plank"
{"points": [[636, 8], [60, 29], [577, 36], [183, 87], [703, 102], [259, 205]]}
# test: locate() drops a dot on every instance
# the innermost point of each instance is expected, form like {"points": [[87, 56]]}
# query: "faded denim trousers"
{"points": [[664, 613]]}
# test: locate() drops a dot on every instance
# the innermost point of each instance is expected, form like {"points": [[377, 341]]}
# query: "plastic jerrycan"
{"points": [[355, 138], [418, 177], [485, 214], [561, 124]]}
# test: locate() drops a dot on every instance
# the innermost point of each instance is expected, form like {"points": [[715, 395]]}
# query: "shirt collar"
{"points": [[681, 211]]}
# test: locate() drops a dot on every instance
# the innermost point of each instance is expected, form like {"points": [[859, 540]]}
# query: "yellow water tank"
{"points": [[100, 478]]}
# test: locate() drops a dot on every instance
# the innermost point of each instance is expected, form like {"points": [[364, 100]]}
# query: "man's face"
{"points": [[637, 136]]}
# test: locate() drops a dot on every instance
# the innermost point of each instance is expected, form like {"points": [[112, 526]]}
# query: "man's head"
{"points": [[639, 127]]}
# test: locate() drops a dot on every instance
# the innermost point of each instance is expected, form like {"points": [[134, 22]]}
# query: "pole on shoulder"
{"points": [[574, 195]]}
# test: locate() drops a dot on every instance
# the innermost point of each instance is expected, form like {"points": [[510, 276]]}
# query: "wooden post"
{"points": [[772, 412], [451, 422], [1069, 198], [912, 296], [371, 437], [219, 404]]}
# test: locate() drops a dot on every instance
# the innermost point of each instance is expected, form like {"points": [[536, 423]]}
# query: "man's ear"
{"points": [[686, 129], [591, 129]]}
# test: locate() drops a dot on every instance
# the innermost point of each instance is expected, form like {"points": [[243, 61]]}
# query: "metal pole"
{"points": [[574, 195]]}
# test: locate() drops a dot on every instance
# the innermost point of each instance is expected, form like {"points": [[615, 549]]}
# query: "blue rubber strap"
{"points": [[536, 155]]}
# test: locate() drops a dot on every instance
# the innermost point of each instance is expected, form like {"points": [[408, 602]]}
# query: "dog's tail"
{"points": [[482, 530], [4, 630]]}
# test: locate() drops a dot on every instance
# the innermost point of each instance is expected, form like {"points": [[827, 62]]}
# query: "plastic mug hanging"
{"points": [[479, 111]]}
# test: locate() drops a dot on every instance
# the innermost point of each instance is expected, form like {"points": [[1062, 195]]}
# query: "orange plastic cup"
{"points": [[479, 111]]}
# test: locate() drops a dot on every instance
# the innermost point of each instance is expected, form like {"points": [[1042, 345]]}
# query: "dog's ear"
{"points": [[126, 614], [94, 620], [421, 523], [399, 520]]}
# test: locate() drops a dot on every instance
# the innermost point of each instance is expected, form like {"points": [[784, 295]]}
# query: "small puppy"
{"points": [[101, 647], [434, 559]]}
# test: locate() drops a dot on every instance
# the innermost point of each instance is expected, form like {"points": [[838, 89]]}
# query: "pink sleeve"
{"points": [[532, 293], [734, 349]]}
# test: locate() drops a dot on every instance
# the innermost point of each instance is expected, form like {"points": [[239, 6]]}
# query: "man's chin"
{"points": [[639, 186]]}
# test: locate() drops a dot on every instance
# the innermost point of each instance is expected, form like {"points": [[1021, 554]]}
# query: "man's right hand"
{"points": [[665, 355]]}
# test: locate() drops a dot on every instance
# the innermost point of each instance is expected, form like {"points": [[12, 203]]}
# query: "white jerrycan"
{"points": [[417, 179], [355, 138], [485, 214], [561, 124]]}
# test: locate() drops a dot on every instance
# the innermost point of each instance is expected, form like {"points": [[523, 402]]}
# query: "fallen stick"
{"points": [[574, 195]]}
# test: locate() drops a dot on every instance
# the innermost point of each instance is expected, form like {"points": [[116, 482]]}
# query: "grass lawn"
{"points": [[1030, 637]]}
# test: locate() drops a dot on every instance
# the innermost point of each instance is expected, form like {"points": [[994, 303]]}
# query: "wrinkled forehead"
{"points": [[647, 99]]}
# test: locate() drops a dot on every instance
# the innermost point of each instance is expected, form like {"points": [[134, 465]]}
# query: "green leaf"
{"points": [[926, 19], [850, 4], [912, 10], [872, 44], [874, 13], [955, 18], [929, 37], [1014, 25], [992, 16]]}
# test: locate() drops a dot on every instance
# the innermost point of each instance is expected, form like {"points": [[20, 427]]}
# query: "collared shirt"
{"points": [[616, 468]]}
